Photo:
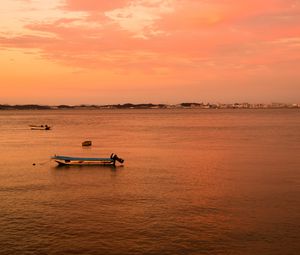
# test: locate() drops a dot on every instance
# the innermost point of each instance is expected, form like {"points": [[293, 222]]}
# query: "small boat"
{"points": [[41, 127], [79, 161], [87, 143]]}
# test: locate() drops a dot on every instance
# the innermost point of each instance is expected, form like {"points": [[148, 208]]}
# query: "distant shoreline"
{"points": [[153, 106]]}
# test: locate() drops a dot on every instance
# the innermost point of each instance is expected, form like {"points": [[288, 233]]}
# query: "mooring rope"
{"points": [[42, 163]]}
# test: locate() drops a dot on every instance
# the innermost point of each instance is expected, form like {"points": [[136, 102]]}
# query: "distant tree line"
{"points": [[24, 107], [149, 106], [140, 106]]}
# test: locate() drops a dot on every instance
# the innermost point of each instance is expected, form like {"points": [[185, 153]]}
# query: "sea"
{"points": [[194, 181]]}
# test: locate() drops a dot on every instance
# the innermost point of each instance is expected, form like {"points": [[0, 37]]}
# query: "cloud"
{"points": [[140, 17], [163, 34], [93, 5]]}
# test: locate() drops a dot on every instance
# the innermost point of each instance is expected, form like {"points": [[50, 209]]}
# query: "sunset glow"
{"points": [[160, 51]]}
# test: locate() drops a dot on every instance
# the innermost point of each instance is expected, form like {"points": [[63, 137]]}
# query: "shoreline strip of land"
{"points": [[152, 106]]}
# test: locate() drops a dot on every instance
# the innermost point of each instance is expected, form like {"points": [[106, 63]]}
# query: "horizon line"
{"points": [[148, 103]]}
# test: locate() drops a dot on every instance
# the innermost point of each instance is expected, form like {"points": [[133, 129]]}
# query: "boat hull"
{"points": [[79, 161], [87, 143], [40, 128], [84, 163]]}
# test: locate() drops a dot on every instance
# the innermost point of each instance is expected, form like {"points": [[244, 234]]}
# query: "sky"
{"points": [[141, 51]]}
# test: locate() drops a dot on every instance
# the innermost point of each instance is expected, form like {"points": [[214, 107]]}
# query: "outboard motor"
{"points": [[116, 158]]}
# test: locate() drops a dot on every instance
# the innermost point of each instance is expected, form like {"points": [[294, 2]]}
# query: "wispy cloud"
{"points": [[158, 35], [140, 17]]}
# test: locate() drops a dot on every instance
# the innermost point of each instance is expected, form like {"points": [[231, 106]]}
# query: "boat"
{"points": [[87, 143], [81, 161], [41, 127]]}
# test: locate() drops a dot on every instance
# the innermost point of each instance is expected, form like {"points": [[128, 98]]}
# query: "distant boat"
{"points": [[80, 161], [40, 127], [87, 143]]}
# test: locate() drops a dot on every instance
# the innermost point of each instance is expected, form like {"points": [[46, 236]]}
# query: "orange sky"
{"points": [[160, 51]]}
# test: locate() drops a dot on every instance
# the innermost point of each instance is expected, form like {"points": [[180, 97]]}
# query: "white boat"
{"points": [[81, 161]]}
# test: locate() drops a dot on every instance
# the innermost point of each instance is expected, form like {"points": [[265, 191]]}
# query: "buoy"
{"points": [[87, 143]]}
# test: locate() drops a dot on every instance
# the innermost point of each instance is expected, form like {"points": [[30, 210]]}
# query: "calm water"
{"points": [[194, 182]]}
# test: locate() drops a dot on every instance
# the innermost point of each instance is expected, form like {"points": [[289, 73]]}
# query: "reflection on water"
{"points": [[193, 182], [85, 167]]}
